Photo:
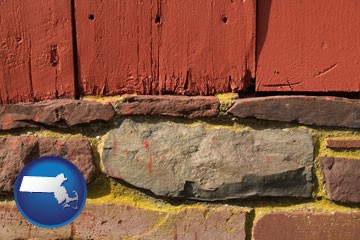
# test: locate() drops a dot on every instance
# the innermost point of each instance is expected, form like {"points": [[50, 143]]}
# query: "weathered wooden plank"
{"points": [[114, 45], [206, 47], [36, 54], [157, 47], [308, 45]]}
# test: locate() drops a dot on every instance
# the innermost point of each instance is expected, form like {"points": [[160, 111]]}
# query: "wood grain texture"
{"points": [[165, 46], [114, 41], [206, 47], [306, 45], [36, 54]]}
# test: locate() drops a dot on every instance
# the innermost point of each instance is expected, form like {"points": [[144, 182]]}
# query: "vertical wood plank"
{"points": [[206, 46], [36, 60], [165, 47], [305, 46], [114, 46]]}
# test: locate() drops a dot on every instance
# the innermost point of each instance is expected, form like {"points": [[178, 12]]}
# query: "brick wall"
{"points": [[176, 167]]}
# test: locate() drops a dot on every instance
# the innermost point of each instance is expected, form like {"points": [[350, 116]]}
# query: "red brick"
{"points": [[176, 106], [342, 178], [308, 110], [225, 223], [109, 221], [14, 226], [343, 144], [117, 221], [308, 46], [17, 151], [308, 226]]}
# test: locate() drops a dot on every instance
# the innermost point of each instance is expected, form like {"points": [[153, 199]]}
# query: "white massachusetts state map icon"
{"points": [[50, 192]]}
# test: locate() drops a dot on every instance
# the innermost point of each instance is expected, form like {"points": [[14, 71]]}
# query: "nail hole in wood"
{"points": [[91, 17], [225, 19], [157, 20]]}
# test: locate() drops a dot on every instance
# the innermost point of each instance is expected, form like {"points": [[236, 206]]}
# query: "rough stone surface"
{"points": [[179, 160], [307, 226], [342, 178], [109, 221], [176, 106], [343, 144], [17, 151], [59, 113], [14, 226], [325, 111]]}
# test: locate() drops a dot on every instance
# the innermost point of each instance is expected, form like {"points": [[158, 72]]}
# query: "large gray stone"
{"points": [[196, 162]]}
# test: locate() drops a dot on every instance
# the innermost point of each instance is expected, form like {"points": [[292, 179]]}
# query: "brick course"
{"points": [[175, 106], [61, 113], [17, 151], [307, 226], [343, 144], [318, 111]]}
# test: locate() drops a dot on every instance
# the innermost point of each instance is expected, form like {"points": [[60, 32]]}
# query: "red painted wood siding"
{"points": [[187, 47], [307, 45], [115, 42], [157, 47], [206, 47], [36, 54]]}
